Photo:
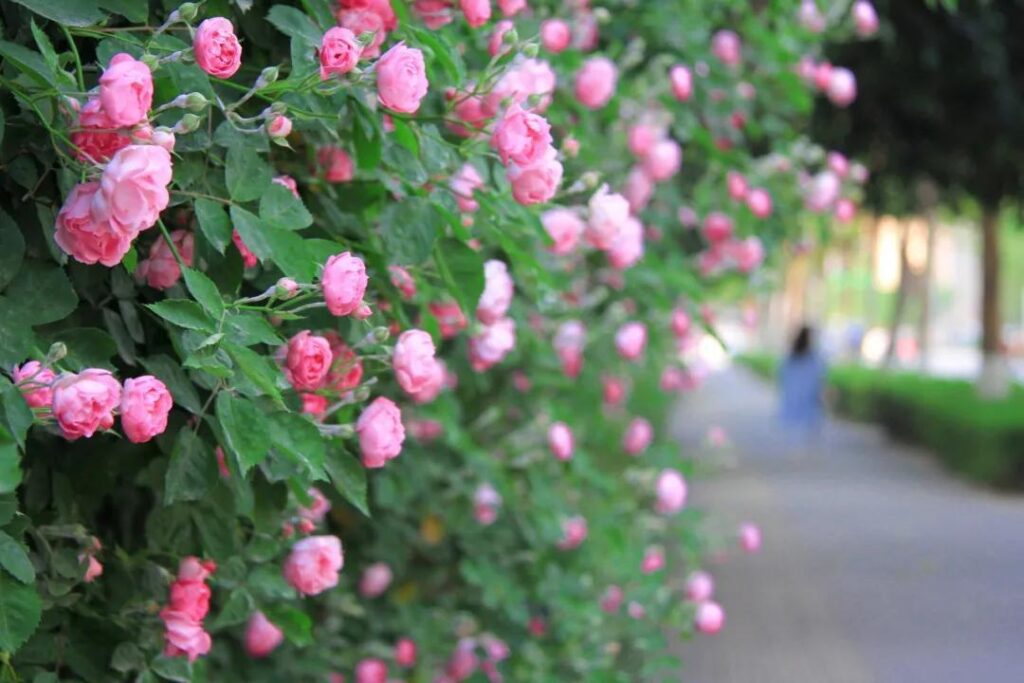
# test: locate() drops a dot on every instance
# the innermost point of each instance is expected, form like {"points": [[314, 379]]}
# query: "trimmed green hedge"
{"points": [[982, 440]]}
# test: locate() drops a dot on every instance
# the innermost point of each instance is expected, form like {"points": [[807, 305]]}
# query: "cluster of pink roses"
{"points": [[496, 335], [725, 250], [522, 139], [86, 402], [838, 83], [188, 605]]}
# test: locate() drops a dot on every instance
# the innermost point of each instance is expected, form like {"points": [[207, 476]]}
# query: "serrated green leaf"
{"points": [[245, 429], [281, 209], [180, 386], [349, 477], [409, 230], [283, 247], [297, 438], [192, 470], [214, 223], [205, 292], [248, 328], [135, 11], [257, 368], [41, 293], [246, 173], [183, 313], [20, 610], [69, 12], [14, 558], [294, 23], [29, 62], [462, 270], [17, 414], [236, 611]]}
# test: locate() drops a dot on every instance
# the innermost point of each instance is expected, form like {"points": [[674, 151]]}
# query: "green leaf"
{"points": [[462, 270], [20, 610], [441, 50], [214, 223], [204, 291], [281, 209], [367, 135], [349, 478], [69, 12], [257, 368], [87, 346], [17, 413], [45, 46], [180, 386], [192, 469], [247, 328], [237, 610], [3, 129], [283, 247], [296, 624], [405, 135], [127, 657], [14, 558], [10, 463], [8, 506], [295, 23], [177, 669], [41, 293], [245, 429], [183, 313], [409, 230], [246, 173], [28, 62], [135, 11], [297, 438], [216, 532]]}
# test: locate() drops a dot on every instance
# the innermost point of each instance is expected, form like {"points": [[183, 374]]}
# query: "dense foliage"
{"points": [[327, 348]]}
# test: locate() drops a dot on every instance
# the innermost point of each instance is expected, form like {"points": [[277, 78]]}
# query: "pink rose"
{"points": [[34, 382], [380, 432], [371, 671], [307, 359], [613, 390], [497, 295], [94, 138], [680, 323], [641, 139], [699, 586], [737, 185], [670, 491], [381, 8], [490, 346], [521, 137], [361, 22], [82, 237], [638, 189], [565, 229], [347, 369], [463, 184], [261, 636], [478, 12], [595, 82], [344, 283], [654, 561], [639, 435], [510, 8], [822, 75], [339, 52], [288, 182], [608, 214], [838, 163], [537, 183], [376, 579], [842, 87], [145, 404], [664, 160], [183, 635], [217, 50], [249, 259], [313, 564], [405, 653], [630, 340], [629, 247], [126, 90], [865, 18], [574, 532], [555, 35], [434, 13], [560, 441], [161, 269], [681, 81], [93, 571], [822, 192], [709, 618], [635, 610], [845, 210], [717, 228], [133, 188], [496, 43], [279, 127], [318, 508], [760, 202], [314, 404], [750, 537], [336, 164], [612, 599], [402, 281], [413, 361], [401, 79], [450, 317], [85, 402], [726, 46], [747, 254], [810, 16], [486, 502]]}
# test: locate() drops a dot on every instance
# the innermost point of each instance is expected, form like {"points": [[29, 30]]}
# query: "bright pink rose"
{"points": [[608, 214], [126, 90], [217, 50], [612, 599], [842, 87], [565, 229], [497, 295], [737, 186], [865, 18], [307, 360], [34, 382], [629, 247], [654, 561], [161, 269], [347, 369], [344, 283], [434, 13], [94, 138], [314, 563], [375, 580], [93, 571], [478, 12], [709, 618], [85, 403], [184, 636], [450, 317], [145, 404], [261, 636], [490, 346], [595, 82], [664, 160], [838, 164], [371, 671], [521, 137], [381, 8], [463, 184], [822, 75], [413, 361], [279, 127], [630, 340], [339, 52], [670, 491], [574, 532], [469, 110], [555, 35], [560, 441], [361, 22], [288, 182], [717, 227], [318, 508], [249, 259], [700, 587], [486, 502], [613, 390], [638, 436], [336, 164], [133, 189], [84, 238], [638, 189], [380, 432], [641, 139], [405, 653], [537, 183], [760, 202], [510, 8], [682, 82], [845, 210], [750, 537], [401, 79], [726, 46], [810, 16]]}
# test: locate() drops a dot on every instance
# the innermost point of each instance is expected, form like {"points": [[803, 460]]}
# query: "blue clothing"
{"points": [[800, 384]]}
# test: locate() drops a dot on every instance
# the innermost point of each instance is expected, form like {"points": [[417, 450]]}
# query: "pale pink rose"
{"points": [[401, 79], [470, 110], [670, 492], [629, 247], [747, 255], [34, 382], [344, 283], [842, 87], [93, 571], [638, 189], [700, 587], [810, 17], [133, 188], [381, 8], [217, 49], [380, 432], [537, 78], [638, 437], [759, 202], [95, 138], [288, 182], [493, 342], [654, 561], [737, 185], [413, 361], [717, 227], [435, 380], [249, 259], [261, 636], [630, 340], [84, 238], [750, 537], [405, 653], [371, 671], [145, 404], [680, 322], [318, 508], [687, 217], [822, 75], [279, 127], [450, 317], [362, 21], [555, 35], [164, 137], [595, 82], [510, 8], [434, 13], [681, 81], [402, 281], [126, 90], [189, 595], [726, 46], [339, 52], [641, 139], [635, 610], [565, 229], [838, 164], [865, 18], [663, 160], [486, 502], [571, 147], [822, 192], [710, 617], [612, 599], [478, 12], [496, 43], [336, 164], [560, 441], [608, 214], [613, 391], [537, 183], [161, 270], [574, 532], [184, 636], [85, 403], [463, 184], [375, 580], [497, 295], [314, 563], [845, 210], [521, 137]]}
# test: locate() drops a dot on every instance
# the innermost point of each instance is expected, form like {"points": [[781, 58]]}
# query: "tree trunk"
{"points": [[900, 305], [994, 380], [925, 289]]}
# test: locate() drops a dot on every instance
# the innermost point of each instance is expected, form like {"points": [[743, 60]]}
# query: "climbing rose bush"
{"points": [[339, 335]]}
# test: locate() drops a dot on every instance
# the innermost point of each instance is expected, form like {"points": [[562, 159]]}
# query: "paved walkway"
{"points": [[877, 567]]}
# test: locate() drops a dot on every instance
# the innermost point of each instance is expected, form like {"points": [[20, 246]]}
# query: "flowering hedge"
{"points": [[339, 337]]}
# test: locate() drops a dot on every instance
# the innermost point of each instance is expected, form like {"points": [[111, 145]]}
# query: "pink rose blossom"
{"points": [[497, 295], [560, 441], [307, 359], [402, 281], [726, 46], [613, 391], [822, 192], [133, 188], [84, 238], [595, 82], [435, 380], [746, 254], [490, 346], [161, 270], [638, 437], [838, 164], [810, 16], [709, 618], [478, 12], [865, 18], [85, 403], [217, 49], [842, 87], [641, 138], [318, 508], [314, 563], [635, 610], [375, 580], [380, 432], [510, 8], [371, 671], [344, 283], [750, 537], [94, 137], [336, 164], [760, 202], [261, 636], [654, 561], [413, 361], [486, 502], [279, 127], [629, 247], [737, 186], [463, 184], [608, 214], [555, 35], [183, 636], [537, 183], [381, 8], [565, 228], [401, 79], [630, 340], [187, 607], [681, 81], [496, 44], [680, 322], [612, 599], [347, 369], [249, 259], [664, 160], [822, 75], [360, 22], [126, 90], [288, 182], [845, 210], [145, 404], [405, 653], [717, 228], [638, 189], [521, 137], [700, 587], [35, 383], [339, 52], [93, 571], [574, 532], [434, 13], [450, 317], [670, 492]]}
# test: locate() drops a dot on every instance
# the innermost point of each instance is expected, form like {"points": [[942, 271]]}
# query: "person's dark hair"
{"points": [[802, 343]]}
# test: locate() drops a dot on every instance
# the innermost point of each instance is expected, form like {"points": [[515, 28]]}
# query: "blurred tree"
{"points": [[941, 101]]}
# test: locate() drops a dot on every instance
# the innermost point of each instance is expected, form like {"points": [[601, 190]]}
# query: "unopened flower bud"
{"points": [[58, 350], [590, 179], [287, 288], [362, 394], [163, 137], [278, 127], [279, 107], [188, 11], [187, 124], [531, 49], [363, 312], [380, 334], [196, 101], [510, 37], [152, 61], [602, 15], [267, 76]]}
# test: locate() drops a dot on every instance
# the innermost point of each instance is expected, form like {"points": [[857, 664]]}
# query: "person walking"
{"points": [[801, 384]]}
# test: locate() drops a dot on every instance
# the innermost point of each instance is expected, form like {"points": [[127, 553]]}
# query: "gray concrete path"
{"points": [[877, 567]]}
